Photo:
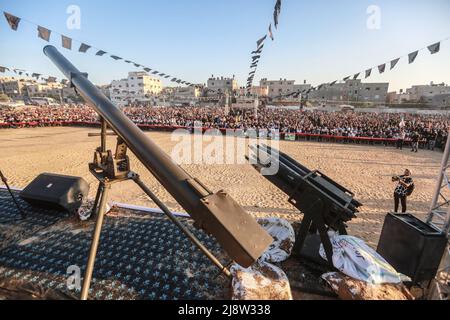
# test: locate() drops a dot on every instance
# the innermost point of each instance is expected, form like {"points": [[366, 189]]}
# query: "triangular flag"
{"points": [[394, 63], [2, 69], [116, 57], [368, 73], [43, 33], [147, 69], [66, 42], [412, 56], [331, 84], [346, 78], [276, 13], [137, 65], [167, 77], [382, 68], [100, 53], [434, 48], [260, 41], [259, 50], [13, 21], [155, 72], [84, 47], [356, 76], [270, 32]]}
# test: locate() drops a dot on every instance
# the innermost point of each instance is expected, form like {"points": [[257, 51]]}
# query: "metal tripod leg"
{"points": [[223, 269], [305, 227], [95, 242], [97, 198], [302, 234]]}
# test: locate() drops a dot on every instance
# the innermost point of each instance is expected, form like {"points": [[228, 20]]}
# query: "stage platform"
{"points": [[141, 256]]}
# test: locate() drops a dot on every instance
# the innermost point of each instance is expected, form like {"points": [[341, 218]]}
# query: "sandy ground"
{"points": [[366, 170]]}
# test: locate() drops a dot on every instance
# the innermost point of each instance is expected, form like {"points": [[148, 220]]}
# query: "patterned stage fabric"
{"points": [[13, 230], [140, 257]]}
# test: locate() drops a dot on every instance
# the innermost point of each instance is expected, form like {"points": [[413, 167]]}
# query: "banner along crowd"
{"points": [[354, 126]]}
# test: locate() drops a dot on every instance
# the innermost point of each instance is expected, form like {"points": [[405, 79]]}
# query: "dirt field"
{"points": [[366, 170]]}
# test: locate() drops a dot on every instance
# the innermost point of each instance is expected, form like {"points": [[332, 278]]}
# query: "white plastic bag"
{"points": [[355, 259]]}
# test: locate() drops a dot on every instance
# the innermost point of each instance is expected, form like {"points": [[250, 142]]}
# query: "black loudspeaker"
{"points": [[63, 193], [411, 246]]}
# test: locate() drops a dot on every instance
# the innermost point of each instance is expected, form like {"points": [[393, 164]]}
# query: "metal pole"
{"points": [[437, 191], [95, 243], [103, 135], [189, 234]]}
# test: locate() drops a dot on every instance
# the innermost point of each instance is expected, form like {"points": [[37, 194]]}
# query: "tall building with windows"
{"points": [[352, 90], [222, 85], [280, 87], [139, 87]]}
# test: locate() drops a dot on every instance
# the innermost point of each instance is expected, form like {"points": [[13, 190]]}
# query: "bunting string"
{"points": [[256, 54], [67, 43], [25, 73], [381, 68]]}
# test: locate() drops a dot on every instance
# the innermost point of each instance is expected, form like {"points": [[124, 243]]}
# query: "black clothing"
{"points": [[402, 199]]}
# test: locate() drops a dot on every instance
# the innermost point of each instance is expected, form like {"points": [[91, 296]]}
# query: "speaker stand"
{"points": [[108, 170]]}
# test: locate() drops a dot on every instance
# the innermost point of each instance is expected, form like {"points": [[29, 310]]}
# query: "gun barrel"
{"points": [[237, 232]]}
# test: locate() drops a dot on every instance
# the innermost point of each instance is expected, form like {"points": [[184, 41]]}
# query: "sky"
{"points": [[318, 41]]}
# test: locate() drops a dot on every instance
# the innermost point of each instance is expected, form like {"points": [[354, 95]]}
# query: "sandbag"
{"points": [[262, 281], [357, 260]]}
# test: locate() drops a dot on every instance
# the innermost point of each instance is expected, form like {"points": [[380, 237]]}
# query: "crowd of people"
{"points": [[427, 130]]}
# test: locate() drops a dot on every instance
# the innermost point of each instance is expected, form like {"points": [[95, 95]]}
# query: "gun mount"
{"points": [[242, 238], [325, 204]]}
